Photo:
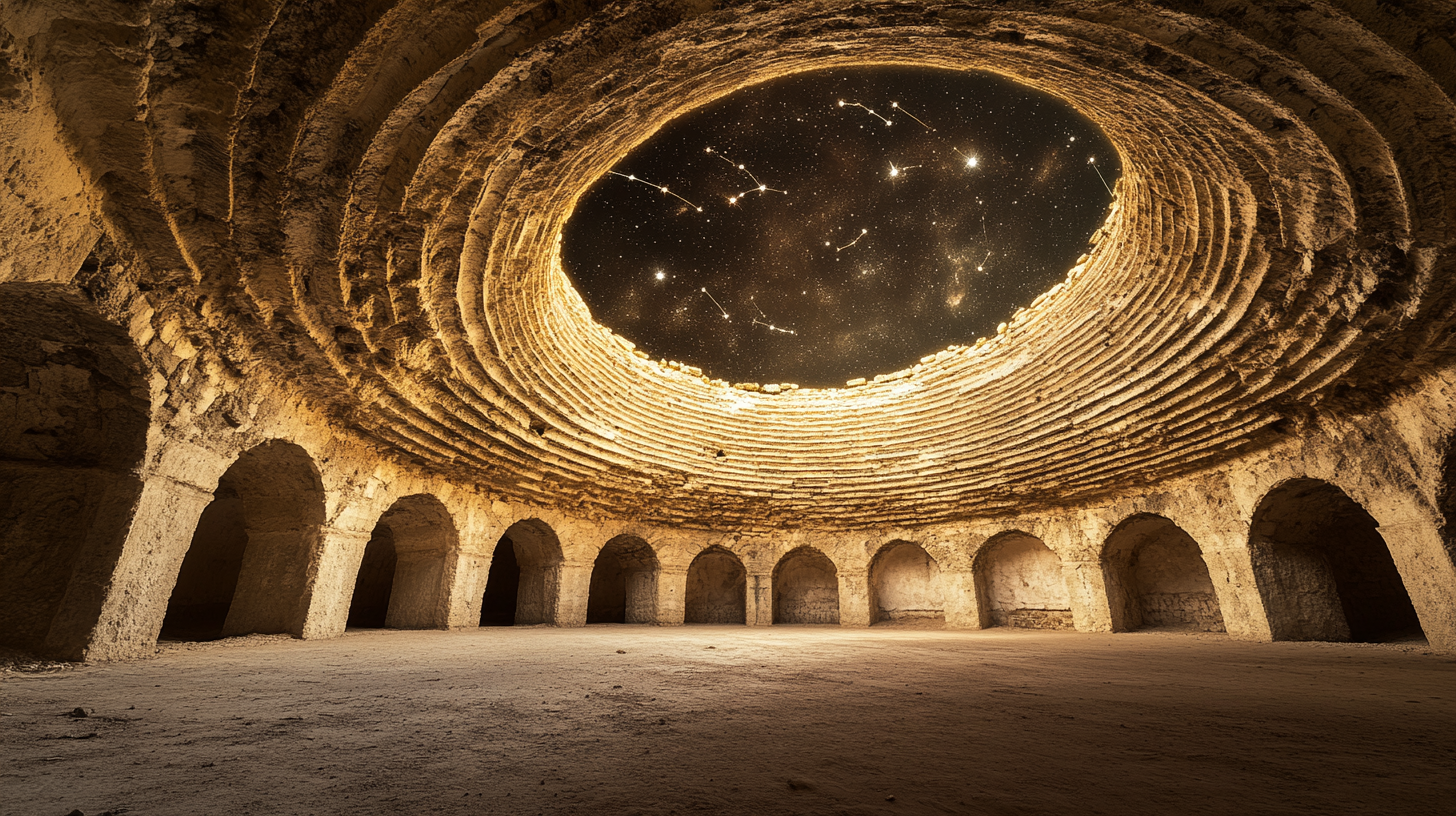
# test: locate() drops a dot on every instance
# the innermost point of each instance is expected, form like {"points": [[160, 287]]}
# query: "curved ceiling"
{"points": [[368, 199]]}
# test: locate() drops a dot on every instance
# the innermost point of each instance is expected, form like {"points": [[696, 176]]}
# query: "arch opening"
{"points": [[805, 588], [369, 605], [522, 585], [717, 589], [1157, 578], [1021, 585], [247, 568], [623, 586], [905, 586], [402, 577], [1324, 570], [74, 412]]}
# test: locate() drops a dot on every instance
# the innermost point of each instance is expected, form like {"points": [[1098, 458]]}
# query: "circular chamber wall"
{"points": [[379, 221]]}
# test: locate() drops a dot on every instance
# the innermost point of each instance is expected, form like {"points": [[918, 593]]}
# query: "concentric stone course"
{"points": [[364, 203]]}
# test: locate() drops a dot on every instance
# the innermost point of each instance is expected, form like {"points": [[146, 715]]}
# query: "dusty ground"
{"points": [[736, 720]]}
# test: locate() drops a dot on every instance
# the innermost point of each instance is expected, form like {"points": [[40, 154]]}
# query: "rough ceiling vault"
{"points": [[362, 202]]}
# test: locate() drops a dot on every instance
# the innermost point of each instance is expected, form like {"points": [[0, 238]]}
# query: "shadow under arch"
{"points": [[1156, 577], [623, 587], [1323, 569], [402, 582], [1020, 583], [73, 436], [524, 581], [905, 587], [248, 567], [717, 588], [805, 588]]}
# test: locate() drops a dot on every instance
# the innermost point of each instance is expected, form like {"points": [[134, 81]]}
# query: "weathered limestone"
{"points": [[345, 267], [904, 585], [672, 590], [716, 589]]}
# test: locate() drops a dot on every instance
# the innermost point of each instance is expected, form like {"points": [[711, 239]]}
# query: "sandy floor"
{"points": [[617, 719]]}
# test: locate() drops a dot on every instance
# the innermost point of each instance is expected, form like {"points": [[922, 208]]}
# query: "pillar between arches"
{"points": [[572, 581], [1426, 569], [1231, 568], [854, 598], [672, 590], [759, 603], [340, 553], [1087, 592], [135, 602], [466, 573], [962, 603]]}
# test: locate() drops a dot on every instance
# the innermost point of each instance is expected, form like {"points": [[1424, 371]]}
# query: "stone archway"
{"points": [[623, 586], [402, 578], [1020, 583], [905, 586], [247, 568], [74, 413], [1324, 570], [805, 588], [717, 588], [523, 583], [1156, 578]]}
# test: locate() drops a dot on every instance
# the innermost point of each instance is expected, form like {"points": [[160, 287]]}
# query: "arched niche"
{"points": [[805, 588], [402, 580], [247, 568], [524, 579], [74, 412], [623, 586], [1324, 570], [717, 588], [1157, 578], [1020, 583], [905, 586]]}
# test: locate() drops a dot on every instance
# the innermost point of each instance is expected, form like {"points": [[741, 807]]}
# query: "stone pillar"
{"points": [[465, 581], [1429, 576], [854, 598], [1087, 591], [135, 600], [962, 604], [759, 603], [1231, 568], [572, 586], [327, 598], [672, 590]]}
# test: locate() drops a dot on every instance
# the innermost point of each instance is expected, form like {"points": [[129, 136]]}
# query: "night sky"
{"points": [[891, 242]]}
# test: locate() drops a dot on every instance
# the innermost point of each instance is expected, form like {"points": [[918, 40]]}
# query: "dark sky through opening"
{"points": [[844, 246]]}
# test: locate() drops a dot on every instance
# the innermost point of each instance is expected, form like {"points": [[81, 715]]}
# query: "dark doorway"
{"points": [[502, 586], [1324, 569], [248, 566], [805, 588], [717, 589], [209, 575], [370, 605], [623, 585]]}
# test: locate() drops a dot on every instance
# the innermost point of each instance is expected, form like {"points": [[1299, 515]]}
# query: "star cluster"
{"points": [[839, 223]]}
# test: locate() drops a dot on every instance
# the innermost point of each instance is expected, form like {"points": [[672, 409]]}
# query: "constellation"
{"points": [[662, 188], [862, 233], [716, 303], [759, 186], [871, 112], [896, 106], [1092, 160]]}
